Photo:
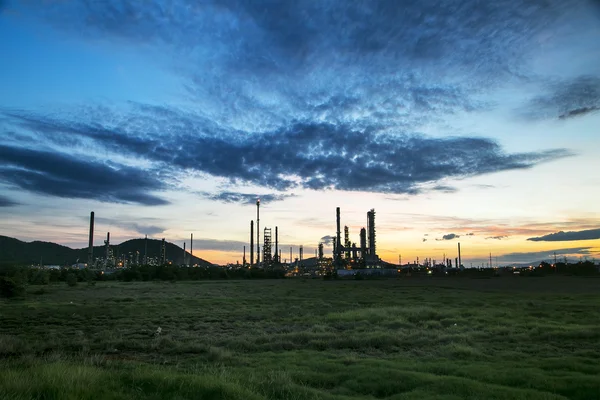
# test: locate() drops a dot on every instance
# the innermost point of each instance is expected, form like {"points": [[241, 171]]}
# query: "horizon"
{"points": [[497, 261], [456, 121]]}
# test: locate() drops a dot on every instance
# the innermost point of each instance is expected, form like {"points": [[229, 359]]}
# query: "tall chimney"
{"points": [[244, 259], [146, 250], [191, 249], [459, 259], [338, 242], [183, 253], [251, 243], [277, 260], [257, 232], [107, 249], [91, 241]]}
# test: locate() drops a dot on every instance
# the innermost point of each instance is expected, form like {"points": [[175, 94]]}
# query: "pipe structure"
{"points": [[191, 248], [257, 232], [91, 241], [371, 232], [251, 243], [146, 250], [459, 259], [244, 259], [363, 243]]}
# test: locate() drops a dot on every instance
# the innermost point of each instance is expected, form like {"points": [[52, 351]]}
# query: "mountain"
{"points": [[14, 251]]}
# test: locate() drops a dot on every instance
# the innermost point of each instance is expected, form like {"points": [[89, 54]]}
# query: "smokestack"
{"points": [[191, 248], [257, 232], [183, 253], [106, 249], [91, 241], [276, 246], [251, 243], [290, 255], [459, 259], [164, 252], [338, 242], [244, 259], [146, 251]]}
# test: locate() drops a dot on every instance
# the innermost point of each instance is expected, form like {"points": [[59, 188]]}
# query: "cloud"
{"points": [[144, 229], [308, 155], [246, 198], [449, 236], [589, 234], [579, 111], [327, 240], [6, 202], [445, 189], [470, 234], [497, 237], [219, 245], [262, 66], [63, 175], [424, 239], [566, 99], [546, 255]]}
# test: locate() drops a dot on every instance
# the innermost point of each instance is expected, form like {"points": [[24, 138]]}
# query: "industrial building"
{"points": [[348, 255]]}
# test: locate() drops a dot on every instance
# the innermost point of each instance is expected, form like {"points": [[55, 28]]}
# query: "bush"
{"points": [[71, 279], [39, 277], [10, 287]]}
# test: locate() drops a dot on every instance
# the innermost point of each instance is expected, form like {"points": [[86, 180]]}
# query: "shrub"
{"points": [[10, 287], [71, 279]]}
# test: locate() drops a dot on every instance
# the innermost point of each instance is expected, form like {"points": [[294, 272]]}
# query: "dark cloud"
{"points": [[327, 240], [424, 239], [308, 155], [6, 202], [567, 99], [445, 189], [265, 34], [245, 198], [144, 229], [63, 175], [496, 237], [579, 111], [449, 236], [546, 255], [470, 234], [219, 245], [589, 234]]}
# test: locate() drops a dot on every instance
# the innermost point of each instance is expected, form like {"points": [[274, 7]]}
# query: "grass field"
{"points": [[437, 338]]}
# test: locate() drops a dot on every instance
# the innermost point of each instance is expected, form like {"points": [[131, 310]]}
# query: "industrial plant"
{"points": [[349, 256]]}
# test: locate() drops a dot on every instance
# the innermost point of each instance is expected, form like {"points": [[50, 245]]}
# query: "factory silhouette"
{"points": [[347, 258]]}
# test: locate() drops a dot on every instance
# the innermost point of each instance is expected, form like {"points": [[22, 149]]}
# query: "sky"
{"points": [[457, 121]]}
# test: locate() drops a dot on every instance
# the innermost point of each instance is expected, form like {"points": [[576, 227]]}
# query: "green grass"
{"points": [[452, 338]]}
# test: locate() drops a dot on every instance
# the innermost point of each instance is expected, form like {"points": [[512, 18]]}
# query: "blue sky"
{"points": [[165, 118]]}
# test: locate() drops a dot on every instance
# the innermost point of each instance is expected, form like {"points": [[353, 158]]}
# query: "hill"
{"points": [[14, 251]]}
